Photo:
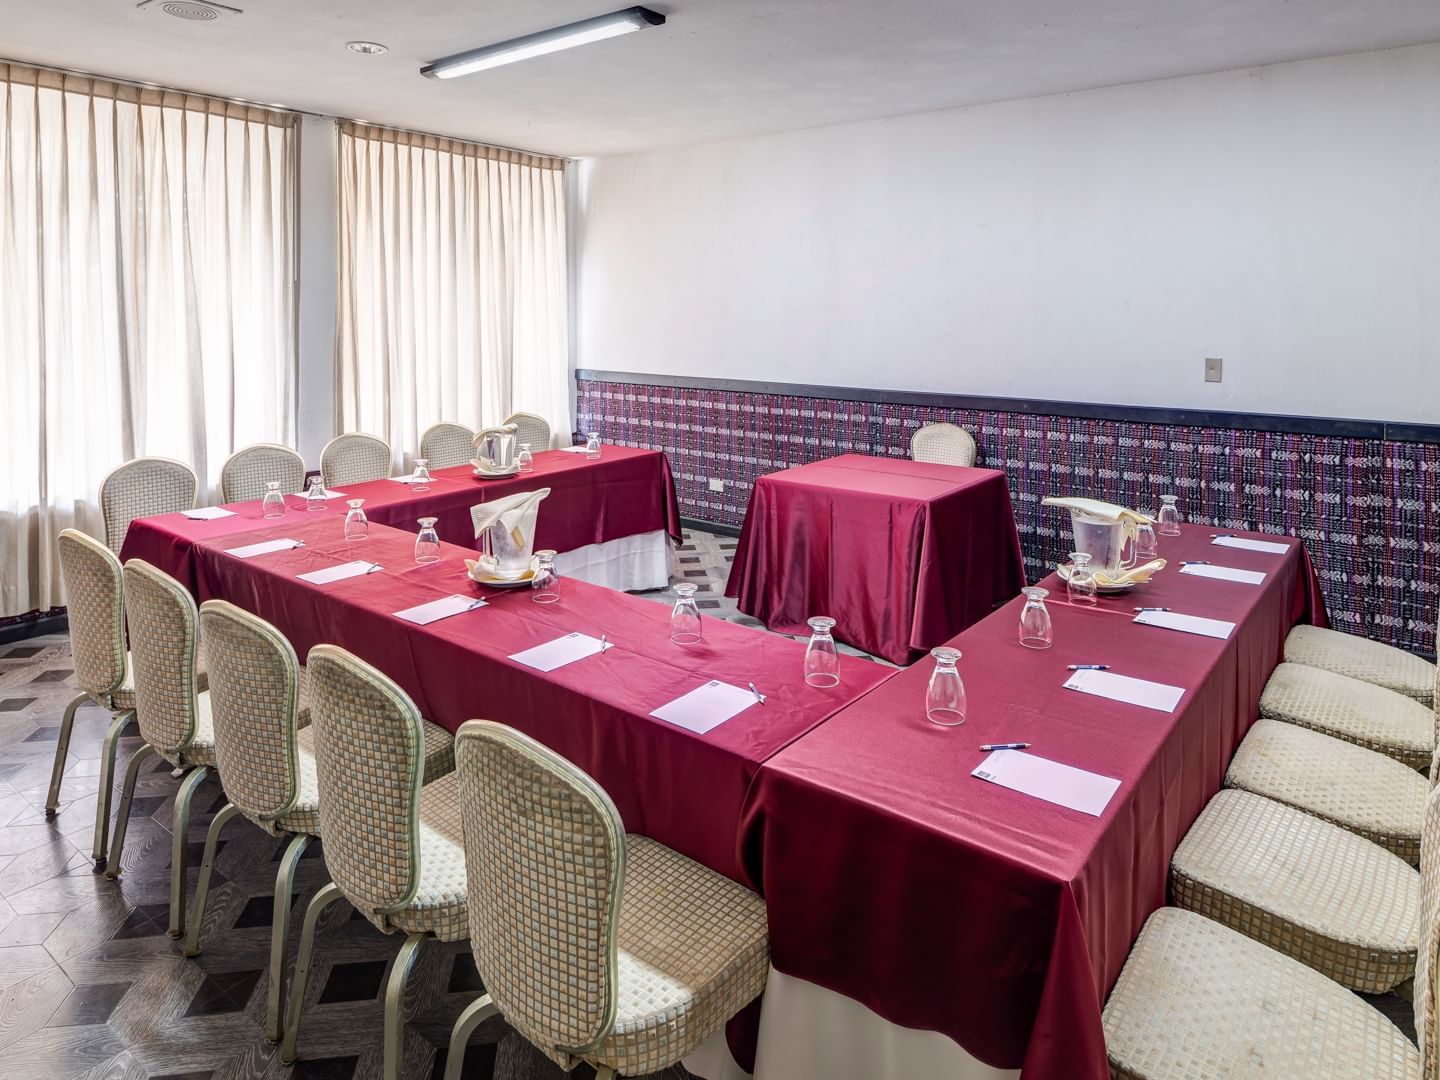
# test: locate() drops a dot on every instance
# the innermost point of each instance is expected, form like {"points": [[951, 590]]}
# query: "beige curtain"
{"points": [[453, 285], [147, 299]]}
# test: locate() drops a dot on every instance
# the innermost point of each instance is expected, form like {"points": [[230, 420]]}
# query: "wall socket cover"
{"points": [[1214, 368], [717, 485]]}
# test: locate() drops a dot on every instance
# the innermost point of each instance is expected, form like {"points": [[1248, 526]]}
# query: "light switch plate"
{"points": [[717, 485], [1214, 368]]}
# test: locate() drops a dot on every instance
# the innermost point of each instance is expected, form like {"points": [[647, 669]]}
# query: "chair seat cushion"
{"points": [[1314, 891], [1369, 661], [693, 951], [1197, 1001], [201, 750], [1359, 790], [440, 905], [1358, 712]]}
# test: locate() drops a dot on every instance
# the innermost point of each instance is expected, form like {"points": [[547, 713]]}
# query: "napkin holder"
{"points": [[506, 531], [495, 451], [1103, 530]]}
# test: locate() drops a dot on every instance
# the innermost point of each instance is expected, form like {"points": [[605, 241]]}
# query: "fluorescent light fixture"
{"points": [[546, 41]]}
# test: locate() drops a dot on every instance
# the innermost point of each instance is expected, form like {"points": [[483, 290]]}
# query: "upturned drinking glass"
{"points": [[685, 616], [525, 459], [357, 525], [427, 541], [1169, 516], [1036, 630], [1146, 546], [315, 494], [421, 475], [274, 503], [545, 584], [822, 660], [945, 696], [592, 444], [1081, 586]]}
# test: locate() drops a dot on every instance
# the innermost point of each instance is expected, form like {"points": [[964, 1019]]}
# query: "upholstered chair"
{"points": [[246, 472], [94, 598], [596, 946], [1307, 888], [144, 487], [173, 712], [1362, 713], [353, 458], [446, 444], [392, 844], [1359, 658], [943, 444], [532, 429]]}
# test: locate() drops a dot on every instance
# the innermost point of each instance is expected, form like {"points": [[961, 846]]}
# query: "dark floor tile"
{"points": [[690, 559], [258, 911], [479, 1062], [354, 982], [145, 807], [22, 652], [15, 704], [206, 1075], [145, 921], [463, 975], [696, 573], [708, 604], [44, 734], [57, 675], [337, 1068], [89, 1005], [223, 993]]}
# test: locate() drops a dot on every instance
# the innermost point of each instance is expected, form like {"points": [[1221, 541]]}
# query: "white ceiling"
{"points": [[719, 68]]}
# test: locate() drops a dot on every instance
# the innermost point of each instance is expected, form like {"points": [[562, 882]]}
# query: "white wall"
{"points": [[1092, 247]]}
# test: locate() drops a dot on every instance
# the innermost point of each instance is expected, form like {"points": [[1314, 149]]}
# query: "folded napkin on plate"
{"points": [[1098, 509], [1136, 575], [511, 524]]}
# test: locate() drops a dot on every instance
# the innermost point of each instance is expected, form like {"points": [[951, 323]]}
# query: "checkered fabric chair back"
{"points": [[1427, 967], [163, 625], [353, 458], [446, 444], [94, 600], [545, 866], [143, 488], [943, 444], [531, 429], [246, 472], [369, 758], [254, 702]]}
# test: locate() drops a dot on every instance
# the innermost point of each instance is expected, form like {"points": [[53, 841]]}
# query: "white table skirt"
{"points": [[630, 564], [810, 1033]]}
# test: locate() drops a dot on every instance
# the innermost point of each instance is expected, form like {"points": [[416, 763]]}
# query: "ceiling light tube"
{"points": [[546, 41]]}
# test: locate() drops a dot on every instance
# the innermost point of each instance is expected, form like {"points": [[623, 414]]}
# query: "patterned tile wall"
{"points": [[1369, 510]]}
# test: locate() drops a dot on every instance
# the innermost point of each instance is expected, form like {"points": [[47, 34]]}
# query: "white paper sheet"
{"points": [[1042, 778], [1189, 624], [208, 513], [706, 707], [573, 449], [435, 610], [410, 479], [561, 651], [265, 547], [341, 572], [1142, 692], [1224, 573], [1269, 547], [334, 495]]}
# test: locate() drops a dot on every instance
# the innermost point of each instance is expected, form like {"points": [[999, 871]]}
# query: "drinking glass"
{"points": [[421, 475], [274, 502], [685, 617], [1081, 586], [525, 459], [315, 494], [945, 696], [427, 542], [822, 661], [592, 444], [1169, 516], [1146, 546], [357, 525], [545, 585], [1036, 631]]}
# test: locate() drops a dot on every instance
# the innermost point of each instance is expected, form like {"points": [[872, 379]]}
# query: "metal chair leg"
{"points": [[122, 819], [395, 1005], [280, 933], [180, 847], [475, 1014], [318, 903], [62, 750], [202, 886], [105, 790], [605, 1072]]}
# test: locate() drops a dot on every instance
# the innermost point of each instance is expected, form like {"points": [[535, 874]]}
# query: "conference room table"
{"points": [[902, 554], [944, 903]]}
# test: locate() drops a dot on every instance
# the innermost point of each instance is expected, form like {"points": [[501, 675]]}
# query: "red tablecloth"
{"points": [[902, 554], [683, 789], [946, 903]]}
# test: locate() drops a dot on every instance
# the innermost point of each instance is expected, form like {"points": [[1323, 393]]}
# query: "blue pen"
{"points": [[1088, 667], [1195, 562], [1006, 746]]}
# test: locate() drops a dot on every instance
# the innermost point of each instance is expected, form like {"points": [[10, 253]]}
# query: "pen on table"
{"points": [[758, 696], [1195, 562], [1222, 536], [374, 567], [1152, 609], [1088, 667], [604, 644], [1006, 746]]}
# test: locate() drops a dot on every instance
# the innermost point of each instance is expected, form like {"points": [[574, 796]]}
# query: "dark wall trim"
{"points": [[28, 628], [709, 526], [1142, 414]]}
